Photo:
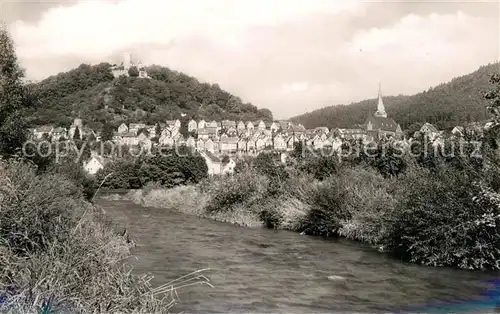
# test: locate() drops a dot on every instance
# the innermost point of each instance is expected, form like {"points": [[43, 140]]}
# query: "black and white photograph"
{"points": [[249, 156]]}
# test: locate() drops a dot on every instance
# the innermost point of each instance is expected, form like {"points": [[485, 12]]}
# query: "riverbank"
{"points": [[59, 253], [444, 216]]}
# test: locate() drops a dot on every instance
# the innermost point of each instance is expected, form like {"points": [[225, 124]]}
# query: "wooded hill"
{"points": [[93, 93], [449, 104]]}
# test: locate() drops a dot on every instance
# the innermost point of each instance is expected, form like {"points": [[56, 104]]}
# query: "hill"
{"points": [[449, 104], [94, 94]]}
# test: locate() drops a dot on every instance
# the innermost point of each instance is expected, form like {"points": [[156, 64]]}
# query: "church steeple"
{"points": [[380, 106]]}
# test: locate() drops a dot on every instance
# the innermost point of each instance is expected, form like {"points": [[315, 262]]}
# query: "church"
{"points": [[378, 125]]}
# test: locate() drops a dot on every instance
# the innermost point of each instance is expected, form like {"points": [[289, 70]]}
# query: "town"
{"points": [[216, 139]]}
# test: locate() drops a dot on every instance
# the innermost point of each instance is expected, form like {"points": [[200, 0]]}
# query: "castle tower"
{"points": [[380, 105], [127, 61]]}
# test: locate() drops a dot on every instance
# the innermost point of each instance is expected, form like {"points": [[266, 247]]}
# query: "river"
{"points": [[267, 271]]}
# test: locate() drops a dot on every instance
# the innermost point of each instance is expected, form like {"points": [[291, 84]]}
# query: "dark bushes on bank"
{"points": [[440, 212]]}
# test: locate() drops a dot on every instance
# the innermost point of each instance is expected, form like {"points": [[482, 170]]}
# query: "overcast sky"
{"points": [[291, 56]]}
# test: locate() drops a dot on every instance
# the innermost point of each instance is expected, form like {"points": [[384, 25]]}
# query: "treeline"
{"points": [[446, 105], [170, 168], [92, 93]]}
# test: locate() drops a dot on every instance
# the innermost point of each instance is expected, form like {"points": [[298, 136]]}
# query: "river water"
{"points": [[267, 271]]}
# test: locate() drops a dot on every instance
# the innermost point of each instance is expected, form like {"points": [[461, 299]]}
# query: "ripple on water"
{"points": [[264, 271]]}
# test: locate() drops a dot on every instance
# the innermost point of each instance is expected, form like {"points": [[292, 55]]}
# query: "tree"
{"points": [[133, 71], [14, 98], [107, 132], [76, 135]]}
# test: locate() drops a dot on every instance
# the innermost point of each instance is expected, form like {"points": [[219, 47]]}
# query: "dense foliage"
{"points": [[92, 93], [446, 105], [15, 97], [169, 169]]}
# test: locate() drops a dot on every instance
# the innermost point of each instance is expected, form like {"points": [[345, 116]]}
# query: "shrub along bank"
{"points": [[436, 211]]}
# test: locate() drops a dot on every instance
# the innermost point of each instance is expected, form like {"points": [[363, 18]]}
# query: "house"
{"points": [[212, 124], [283, 125], [229, 145], [240, 126], [206, 133], [261, 125], [242, 145], [296, 129], [173, 124], [260, 144], [290, 142], [321, 129], [43, 130], [129, 139], [94, 164], [232, 131], [179, 140], [348, 134], [123, 128], [59, 133], [192, 126], [318, 143], [274, 127], [213, 162], [151, 130], [209, 145], [250, 125], [135, 127], [279, 142], [200, 144], [336, 143], [217, 166], [201, 124], [144, 141], [458, 131], [226, 124], [228, 166], [428, 130], [191, 142], [166, 140], [250, 146]]}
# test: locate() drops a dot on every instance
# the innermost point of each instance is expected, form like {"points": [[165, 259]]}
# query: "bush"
{"points": [[243, 188], [169, 170], [327, 209], [445, 218], [369, 197], [57, 249]]}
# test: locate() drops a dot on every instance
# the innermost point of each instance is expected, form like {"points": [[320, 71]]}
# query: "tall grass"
{"points": [[60, 253]]}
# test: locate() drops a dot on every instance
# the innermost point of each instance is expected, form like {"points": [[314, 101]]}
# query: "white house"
{"points": [[215, 164], [123, 128], [94, 164], [201, 124], [192, 126], [240, 126], [261, 125]]}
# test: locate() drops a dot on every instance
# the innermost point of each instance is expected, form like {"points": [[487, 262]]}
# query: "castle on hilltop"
{"points": [[124, 67]]}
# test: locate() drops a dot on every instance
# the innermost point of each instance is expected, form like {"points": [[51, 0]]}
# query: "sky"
{"points": [[290, 56]]}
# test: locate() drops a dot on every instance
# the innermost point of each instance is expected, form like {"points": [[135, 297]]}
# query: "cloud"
{"points": [[290, 56]]}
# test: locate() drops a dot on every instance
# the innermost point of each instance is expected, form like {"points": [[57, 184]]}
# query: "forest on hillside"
{"points": [[449, 104], [92, 93]]}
